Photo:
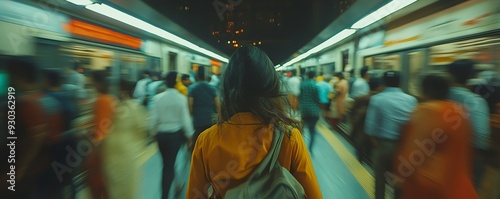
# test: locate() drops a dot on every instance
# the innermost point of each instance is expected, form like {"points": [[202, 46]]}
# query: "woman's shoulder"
{"points": [[208, 134], [293, 135]]}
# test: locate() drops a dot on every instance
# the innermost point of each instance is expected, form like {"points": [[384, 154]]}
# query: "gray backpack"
{"points": [[270, 180]]}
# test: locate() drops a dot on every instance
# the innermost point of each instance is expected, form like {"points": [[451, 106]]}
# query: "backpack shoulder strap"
{"points": [[270, 160], [276, 148]]}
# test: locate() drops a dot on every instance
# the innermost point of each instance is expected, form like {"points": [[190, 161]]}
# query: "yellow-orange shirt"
{"points": [[181, 88], [224, 155]]}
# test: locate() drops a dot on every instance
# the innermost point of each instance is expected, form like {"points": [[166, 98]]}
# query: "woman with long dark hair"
{"points": [[252, 106]]}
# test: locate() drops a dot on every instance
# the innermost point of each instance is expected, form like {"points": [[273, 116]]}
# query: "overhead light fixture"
{"points": [[382, 12], [81, 2], [332, 41], [373, 17], [113, 13]]}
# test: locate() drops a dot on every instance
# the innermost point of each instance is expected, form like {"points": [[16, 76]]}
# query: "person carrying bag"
{"points": [[270, 180]]}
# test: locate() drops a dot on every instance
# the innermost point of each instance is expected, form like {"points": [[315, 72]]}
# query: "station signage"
{"points": [[104, 35]]}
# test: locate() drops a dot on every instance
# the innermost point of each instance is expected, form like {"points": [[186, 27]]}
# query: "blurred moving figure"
{"points": [[182, 83], [352, 79], [34, 112], [309, 105], [387, 112], [358, 115], [324, 88], [105, 106], [214, 81], [227, 153], [495, 136], [123, 146], [75, 77], [104, 112], [140, 91], [435, 154], [293, 85], [186, 80], [477, 113], [203, 104], [337, 109], [360, 86], [153, 87], [67, 138], [171, 121]]}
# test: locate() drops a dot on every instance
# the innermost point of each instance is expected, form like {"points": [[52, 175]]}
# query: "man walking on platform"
{"points": [[477, 113], [360, 86], [387, 112], [309, 105], [203, 103]]}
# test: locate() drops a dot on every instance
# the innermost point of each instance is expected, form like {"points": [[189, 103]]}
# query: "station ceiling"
{"points": [[280, 26]]}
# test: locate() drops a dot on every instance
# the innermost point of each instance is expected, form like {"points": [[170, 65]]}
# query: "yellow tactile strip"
{"points": [[358, 171], [150, 150]]}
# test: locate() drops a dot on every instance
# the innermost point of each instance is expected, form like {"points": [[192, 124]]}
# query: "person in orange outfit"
{"points": [[434, 160], [104, 110], [228, 152]]}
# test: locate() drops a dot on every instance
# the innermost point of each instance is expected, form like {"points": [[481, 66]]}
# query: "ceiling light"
{"points": [[113, 13], [382, 12], [81, 2], [333, 40]]}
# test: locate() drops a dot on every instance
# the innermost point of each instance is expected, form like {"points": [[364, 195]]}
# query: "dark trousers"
{"points": [[383, 157], [169, 145], [310, 123]]}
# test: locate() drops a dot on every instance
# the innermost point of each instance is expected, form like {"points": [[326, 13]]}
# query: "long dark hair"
{"points": [[251, 84]]}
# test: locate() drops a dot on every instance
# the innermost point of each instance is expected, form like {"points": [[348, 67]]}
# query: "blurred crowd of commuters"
{"points": [[436, 145]]}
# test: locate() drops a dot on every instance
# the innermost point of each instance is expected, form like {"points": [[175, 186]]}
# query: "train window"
{"points": [[387, 62], [483, 50]]}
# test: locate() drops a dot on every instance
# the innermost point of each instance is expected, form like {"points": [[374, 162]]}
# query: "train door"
{"points": [[415, 62], [345, 60], [172, 61]]}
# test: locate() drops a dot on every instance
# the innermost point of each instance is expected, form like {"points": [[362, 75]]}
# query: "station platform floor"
{"points": [[339, 173]]}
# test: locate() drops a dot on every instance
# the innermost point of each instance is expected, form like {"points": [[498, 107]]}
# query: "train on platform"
{"points": [[57, 38], [414, 44]]}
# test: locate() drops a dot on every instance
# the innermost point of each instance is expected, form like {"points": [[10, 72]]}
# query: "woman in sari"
{"points": [[338, 97], [123, 145], [104, 110]]}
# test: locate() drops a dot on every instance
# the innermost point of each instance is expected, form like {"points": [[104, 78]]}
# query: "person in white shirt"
{"points": [[171, 120], [75, 77], [214, 80], [360, 86], [294, 83], [140, 91], [152, 88]]}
